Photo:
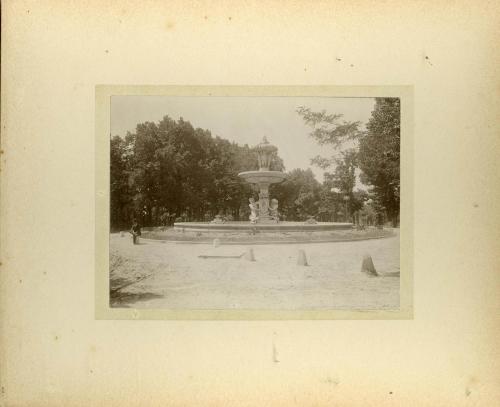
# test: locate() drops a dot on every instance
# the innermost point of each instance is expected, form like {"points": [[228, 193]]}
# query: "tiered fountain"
{"points": [[263, 178], [264, 217]]}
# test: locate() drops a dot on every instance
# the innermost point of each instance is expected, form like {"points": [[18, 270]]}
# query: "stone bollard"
{"points": [[302, 259], [368, 267], [249, 255], [216, 242]]}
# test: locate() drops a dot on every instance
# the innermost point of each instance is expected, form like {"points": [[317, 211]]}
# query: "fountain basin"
{"points": [[238, 233], [261, 227], [263, 177]]}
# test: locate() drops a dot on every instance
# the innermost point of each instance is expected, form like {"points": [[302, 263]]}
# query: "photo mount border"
{"points": [[103, 94]]}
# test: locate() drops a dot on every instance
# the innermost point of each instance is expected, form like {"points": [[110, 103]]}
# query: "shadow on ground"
{"points": [[125, 300], [116, 283], [391, 274]]}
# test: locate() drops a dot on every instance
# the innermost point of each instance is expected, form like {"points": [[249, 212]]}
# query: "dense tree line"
{"points": [[375, 152]]}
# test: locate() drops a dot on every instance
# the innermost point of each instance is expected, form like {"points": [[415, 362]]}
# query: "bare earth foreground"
{"points": [[165, 275]]}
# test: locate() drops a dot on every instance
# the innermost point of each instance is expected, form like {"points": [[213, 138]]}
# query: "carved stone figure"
{"points": [[254, 210], [311, 220], [218, 219], [273, 210]]}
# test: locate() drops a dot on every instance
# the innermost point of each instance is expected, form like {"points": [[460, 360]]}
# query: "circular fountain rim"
{"points": [[262, 227], [263, 176], [268, 172], [260, 234]]}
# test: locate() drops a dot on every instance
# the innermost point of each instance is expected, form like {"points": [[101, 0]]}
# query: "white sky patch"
{"points": [[244, 120]]}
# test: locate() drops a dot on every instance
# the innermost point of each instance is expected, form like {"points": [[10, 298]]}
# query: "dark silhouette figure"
{"points": [[135, 231]]}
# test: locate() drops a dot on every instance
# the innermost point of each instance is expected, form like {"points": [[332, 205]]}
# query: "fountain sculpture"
{"points": [[263, 178]]}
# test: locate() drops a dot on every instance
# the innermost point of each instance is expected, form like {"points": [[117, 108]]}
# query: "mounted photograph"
{"points": [[254, 202]]}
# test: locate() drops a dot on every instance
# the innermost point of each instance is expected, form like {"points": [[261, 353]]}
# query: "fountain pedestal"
{"points": [[264, 204]]}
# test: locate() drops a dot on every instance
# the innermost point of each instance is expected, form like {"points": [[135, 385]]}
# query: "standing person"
{"points": [[135, 231]]}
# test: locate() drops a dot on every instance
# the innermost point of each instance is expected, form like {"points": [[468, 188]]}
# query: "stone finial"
{"points": [[311, 221]]}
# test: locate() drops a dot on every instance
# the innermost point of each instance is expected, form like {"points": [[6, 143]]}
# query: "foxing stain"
{"points": [[329, 380], [275, 354]]}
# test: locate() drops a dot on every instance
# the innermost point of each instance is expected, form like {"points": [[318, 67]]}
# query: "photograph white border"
{"points": [[102, 153]]}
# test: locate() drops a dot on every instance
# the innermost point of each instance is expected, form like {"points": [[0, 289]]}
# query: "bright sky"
{"points": [[244, 120]]}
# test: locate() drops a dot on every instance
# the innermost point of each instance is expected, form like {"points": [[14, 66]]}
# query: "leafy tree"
{"points": [[298, 195], [379, 155], [330, 129], [374, 151], [119, 188]]}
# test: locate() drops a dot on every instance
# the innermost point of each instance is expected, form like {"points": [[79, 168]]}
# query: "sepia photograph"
{"points": [[254, 203]]}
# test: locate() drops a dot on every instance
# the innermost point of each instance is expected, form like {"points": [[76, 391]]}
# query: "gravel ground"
{"points": [[160, 275]]}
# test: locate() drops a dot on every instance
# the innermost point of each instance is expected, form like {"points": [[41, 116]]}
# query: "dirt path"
{"points": [[178, 278]]}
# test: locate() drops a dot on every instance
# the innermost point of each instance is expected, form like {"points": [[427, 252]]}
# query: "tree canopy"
{"points": [[375, 152], [379, 154]]}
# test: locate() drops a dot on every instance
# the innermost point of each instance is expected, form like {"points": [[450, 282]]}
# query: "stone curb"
{"points": [[268, 242]]}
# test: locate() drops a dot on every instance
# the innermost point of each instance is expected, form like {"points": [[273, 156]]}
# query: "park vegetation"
{"points": [[374, 151], [170, 171]]}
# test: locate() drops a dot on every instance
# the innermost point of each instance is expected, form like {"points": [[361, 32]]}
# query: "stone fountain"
{"points": [[263, 178], [264, 217]]}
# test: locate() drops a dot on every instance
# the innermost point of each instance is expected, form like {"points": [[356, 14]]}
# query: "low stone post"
{"points": [[249, 255], [302, 259], [368, 267]]}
